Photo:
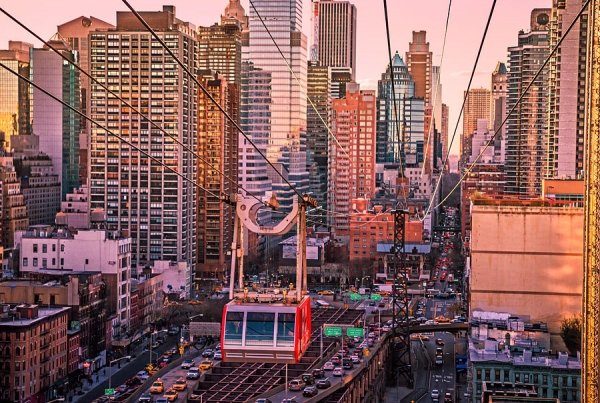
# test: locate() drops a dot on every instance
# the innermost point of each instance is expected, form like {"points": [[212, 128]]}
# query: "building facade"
{"points": [[526, 128], [498, 108], [418, 61], [152, 204], [33, 347], [57, 126], [352, 171], [14, 93], [566, 86], [477, 106], [14, 208]]}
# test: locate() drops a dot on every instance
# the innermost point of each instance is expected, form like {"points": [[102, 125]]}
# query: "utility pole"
{"points": [[591, 277], [401, 331]]}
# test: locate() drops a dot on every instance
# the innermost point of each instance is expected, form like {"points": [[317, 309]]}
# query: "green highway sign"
{"points": [[355, 297], [355, 332], [375, 297], [333, 331], [109, 392]]}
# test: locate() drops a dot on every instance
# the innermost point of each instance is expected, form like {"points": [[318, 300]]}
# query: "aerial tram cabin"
{"points": [[270, 325], [277, 332]]}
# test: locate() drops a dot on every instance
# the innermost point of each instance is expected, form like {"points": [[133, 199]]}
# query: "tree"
{"points": [[570, 330], [455, 309]]}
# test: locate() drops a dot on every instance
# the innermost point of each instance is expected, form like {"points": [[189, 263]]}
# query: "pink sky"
{"points": [[467, 22]]}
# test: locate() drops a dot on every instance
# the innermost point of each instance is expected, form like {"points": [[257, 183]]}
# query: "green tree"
{"points": [[570, 330]]}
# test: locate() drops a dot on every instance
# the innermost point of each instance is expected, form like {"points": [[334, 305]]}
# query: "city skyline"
{"points": [[464, 33]]}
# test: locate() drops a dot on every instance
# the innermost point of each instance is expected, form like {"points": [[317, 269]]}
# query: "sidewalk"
{"points": [[101, 376]]}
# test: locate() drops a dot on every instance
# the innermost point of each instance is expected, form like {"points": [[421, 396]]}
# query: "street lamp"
{"points": [[127, 357]]}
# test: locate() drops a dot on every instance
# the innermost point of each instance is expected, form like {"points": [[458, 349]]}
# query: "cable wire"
{"points": [[395, 118], [439, 181], [209, 96], [470, 167], [126, 103], [83, 115], [435, 93], [296, 78]]}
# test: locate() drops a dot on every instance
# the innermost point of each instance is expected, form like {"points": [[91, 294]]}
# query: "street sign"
{"points": [[375, 297], [109, 392], [332, 331], [355, 297], [355, 332]]}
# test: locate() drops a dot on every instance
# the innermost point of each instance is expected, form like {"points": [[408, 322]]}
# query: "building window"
{"points": [[53, 247], [35, 248], [25, 262], [62, 248], [35, 262], [44, 262], [44, 248]]}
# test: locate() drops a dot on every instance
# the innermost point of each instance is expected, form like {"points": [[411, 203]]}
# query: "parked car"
{"points": [[323, 383], [310, 391], [296, 385]]}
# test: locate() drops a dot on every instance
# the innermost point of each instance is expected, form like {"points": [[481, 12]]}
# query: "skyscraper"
{"points": [[444, 133], [234, 10], [57, 126], [220, 49], [498, 108], [418, 61], [566, 84], [335, 34], [526, 127], [407, 123], [218, 145], [477, 106], [351, 174], [151, 204], [14, 92], [287, 137], [75, 33], [317, 135]]}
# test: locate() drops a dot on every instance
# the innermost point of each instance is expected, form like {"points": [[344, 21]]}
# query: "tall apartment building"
{"points": [[14, 93], [400, 133], [334, 38], [498, 110], [317, 134], [76, 33], [351, 173], [57, 126], [444, 133], [566, 86], [153, 205], [49, 250], [526, 128], [218, 146], [14, 209], [235, 10], [287, 134], [33, 348], [418, 61], [477, 106], [220, 50]]}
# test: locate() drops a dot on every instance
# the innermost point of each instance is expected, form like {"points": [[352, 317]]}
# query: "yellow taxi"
{"points": [[180, 385], [157, 387], [442, 319], [171, 395], [326, 292], [205, 365]]}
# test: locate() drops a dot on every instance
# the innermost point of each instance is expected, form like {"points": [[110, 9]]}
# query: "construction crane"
{"points": [[591, 278]]}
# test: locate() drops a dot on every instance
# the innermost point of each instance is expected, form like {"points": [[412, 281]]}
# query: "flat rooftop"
{"points": [[43, 314]]}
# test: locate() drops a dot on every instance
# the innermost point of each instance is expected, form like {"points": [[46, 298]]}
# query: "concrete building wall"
{"points": [[528, 261]]}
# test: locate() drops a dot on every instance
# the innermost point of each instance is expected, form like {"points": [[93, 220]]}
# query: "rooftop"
{"points": [[43, 314]]}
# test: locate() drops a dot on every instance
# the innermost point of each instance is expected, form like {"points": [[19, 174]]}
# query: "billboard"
{"points": [[289, 252]]}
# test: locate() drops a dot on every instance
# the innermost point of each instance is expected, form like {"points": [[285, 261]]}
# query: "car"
{"points": [[157, 387], [296, 385], [133, 382], [145, 398], [163, 363], [439, 342], [435, 395], [171, 395], [355, 359], [310, 391], [193, 373], [187, 364], [263, 400], [205, 365], [328, 366], [218, 355], [338, 371], [162, 400], [336, 360], [308, 379], [143, 375], [180, 385], [326, 292], [318, 373], [171, 351], [289, 400], [347, 363], [323, 383], [122, 388], [208, 353], [448, 398]]}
